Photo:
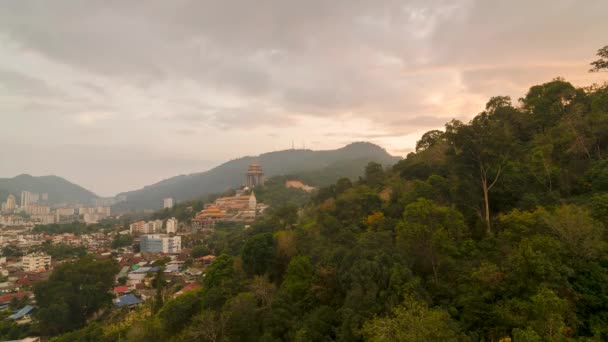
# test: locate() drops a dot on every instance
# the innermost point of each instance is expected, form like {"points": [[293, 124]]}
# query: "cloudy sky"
{"points": [[114, 95]]}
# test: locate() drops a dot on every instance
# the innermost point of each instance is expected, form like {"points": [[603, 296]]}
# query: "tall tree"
{"points": [[601, 64], [483, 147]]}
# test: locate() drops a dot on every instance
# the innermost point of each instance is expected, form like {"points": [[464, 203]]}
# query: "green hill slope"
{"points": [[310, 164], [59, 189]]}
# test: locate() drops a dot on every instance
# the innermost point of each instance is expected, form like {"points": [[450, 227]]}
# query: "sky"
{"points": [[114, 95]]}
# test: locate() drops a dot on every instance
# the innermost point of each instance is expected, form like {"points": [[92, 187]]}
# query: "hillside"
{"points": [[423, 251], [59, 189], [230, 174]]}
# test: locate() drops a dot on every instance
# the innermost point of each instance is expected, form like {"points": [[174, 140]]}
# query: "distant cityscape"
{"points": [[24, 223]]}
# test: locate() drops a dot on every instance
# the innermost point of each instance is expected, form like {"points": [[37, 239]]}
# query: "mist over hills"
{"points": [[314, 167], [59, 189]]}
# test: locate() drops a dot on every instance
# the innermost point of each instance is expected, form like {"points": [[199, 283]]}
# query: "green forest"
{"points": [[492, 230]]}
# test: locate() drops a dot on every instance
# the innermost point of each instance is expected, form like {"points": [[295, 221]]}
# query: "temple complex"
{"points": [[243, 208]]}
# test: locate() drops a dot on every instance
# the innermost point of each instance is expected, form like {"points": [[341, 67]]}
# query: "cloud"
{"points": [[189, 75], [24, 85]]}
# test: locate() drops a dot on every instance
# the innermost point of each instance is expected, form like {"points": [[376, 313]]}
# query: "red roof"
{"points": [[206, 258], [121, 289], [192, 286], [7, 297]]}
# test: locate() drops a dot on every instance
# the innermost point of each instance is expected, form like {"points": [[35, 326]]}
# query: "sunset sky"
{"points": [[115, 95]]}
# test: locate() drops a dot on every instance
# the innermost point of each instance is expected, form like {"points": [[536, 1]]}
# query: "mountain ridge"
{"points": [[231, 173], [60, 190]]}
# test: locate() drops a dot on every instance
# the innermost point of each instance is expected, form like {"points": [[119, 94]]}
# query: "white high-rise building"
{"points": [[168, 202], [159, 243], [26, 198], [172, 225]]}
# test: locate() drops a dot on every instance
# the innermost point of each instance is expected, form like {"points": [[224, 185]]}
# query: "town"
{"points": [[36, 238]]}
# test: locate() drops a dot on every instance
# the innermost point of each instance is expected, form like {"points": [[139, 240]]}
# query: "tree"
{"points": [[428, 234], [208, 326], [122, 241], [177, 313], [429, 139], [413, 321], [483, 147], [11, 251], [601, 64], [374, 174], [259, 254], [73, 292], [579, 233], [199, 251]]}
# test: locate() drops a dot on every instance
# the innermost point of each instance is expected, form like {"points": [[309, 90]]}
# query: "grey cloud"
{"points": [[144, 71], [227, 118], [20, 84]]}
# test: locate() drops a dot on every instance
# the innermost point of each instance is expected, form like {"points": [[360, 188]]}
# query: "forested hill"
{"points": [[493, 230], [59, 189], [317, 167]]}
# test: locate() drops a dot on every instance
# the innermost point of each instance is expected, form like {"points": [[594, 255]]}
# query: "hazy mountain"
{"points": [[321, 167], [59, 189]]}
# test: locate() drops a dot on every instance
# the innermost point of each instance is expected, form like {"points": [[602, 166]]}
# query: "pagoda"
{"points": [[254, 176]]}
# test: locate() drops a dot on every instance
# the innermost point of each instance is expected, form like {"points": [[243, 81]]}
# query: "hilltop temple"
{"points": [[254, 176], [243, 208]]}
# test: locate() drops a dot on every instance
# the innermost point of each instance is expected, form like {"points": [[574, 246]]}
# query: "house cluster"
{"points": [[20, 273], [134, 282]]}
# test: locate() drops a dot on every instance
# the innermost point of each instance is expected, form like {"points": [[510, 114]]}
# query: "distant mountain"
{"points": [[59, 189], [316, 167]]}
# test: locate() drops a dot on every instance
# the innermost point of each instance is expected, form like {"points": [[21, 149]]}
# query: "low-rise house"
{"points": [[23, 315], [206, 260], [129, 300], [6, 298], [121, 290]]}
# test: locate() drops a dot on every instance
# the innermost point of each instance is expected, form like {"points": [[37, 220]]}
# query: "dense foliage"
{"points": [[491, 229], [71, 228], [75, 291]]}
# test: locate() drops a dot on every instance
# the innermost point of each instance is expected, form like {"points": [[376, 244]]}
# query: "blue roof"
{"points": [[127, 300], [141, 270], [24, 311]]}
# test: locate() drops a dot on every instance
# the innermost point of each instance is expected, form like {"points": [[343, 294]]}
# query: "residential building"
{"points": [[43, 218], [143, 227], [172, 225], [160, 243], [11, 220], [137, 227], [36, 209], [10, 204], [93, 218], [65, 214], [168, 202], [26, 198], [36, 262]]}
